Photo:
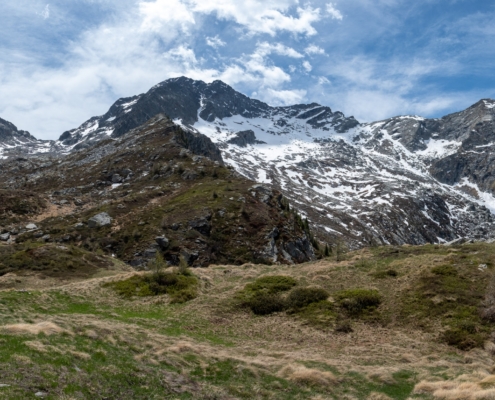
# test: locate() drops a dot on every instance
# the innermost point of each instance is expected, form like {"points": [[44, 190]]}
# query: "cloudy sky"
{"points": [[64, 61]]}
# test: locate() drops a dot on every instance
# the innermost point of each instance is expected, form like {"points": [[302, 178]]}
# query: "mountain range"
{"points": [[404, 180]]}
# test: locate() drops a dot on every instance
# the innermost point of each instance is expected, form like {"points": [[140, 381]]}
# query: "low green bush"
{"points": [[463, 338], [181, 287], [302, 297], [389, 273], [356, 301], [445, 270], [267, 303], [263, 296], [272, 284]]}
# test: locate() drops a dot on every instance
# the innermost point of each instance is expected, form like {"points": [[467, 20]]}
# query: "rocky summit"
{"points": [[403, 180]]}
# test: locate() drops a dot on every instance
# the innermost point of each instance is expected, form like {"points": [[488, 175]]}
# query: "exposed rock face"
{"points": [[18, 143], [245, 138], [191, 101]]}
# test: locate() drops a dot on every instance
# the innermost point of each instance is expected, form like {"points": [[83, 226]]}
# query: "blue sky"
{"points": [[62, 62]]}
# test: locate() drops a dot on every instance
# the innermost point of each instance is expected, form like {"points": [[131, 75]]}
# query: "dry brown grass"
{"points": [[308, 376], [458, 390], [46, 327]]}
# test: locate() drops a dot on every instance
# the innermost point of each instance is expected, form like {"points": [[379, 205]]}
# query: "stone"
{"points": [[116, 178], [150, 253], [265, 192], [46, 238], [79, 225], [39, 234], [5, 237], [189, 256], [189, 175], [78, 202], [162, 241], [64, 202], [202, 225], [100, 220], [31, 227]]}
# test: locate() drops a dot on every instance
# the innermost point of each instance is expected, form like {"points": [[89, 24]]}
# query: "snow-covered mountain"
{"points": [[403, 180], [15, 142]]}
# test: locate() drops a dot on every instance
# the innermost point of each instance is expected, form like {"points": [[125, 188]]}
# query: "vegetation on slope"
{"points": [[344, 332]]}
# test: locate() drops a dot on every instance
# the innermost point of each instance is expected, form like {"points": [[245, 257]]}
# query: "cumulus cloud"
{"points": [[313, 49], [215, 42], [282, 97], [307, 66], [265, 48], [258, 16], [164, 16], [333, 12]]}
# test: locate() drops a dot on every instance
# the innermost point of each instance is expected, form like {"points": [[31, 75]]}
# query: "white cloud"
{"points": [[258, 16], [313, 49], [282, 97], [164, 16], [333, 12], [215, 42], [45, 14], [264, 49], [307, 66], [323, 81]]}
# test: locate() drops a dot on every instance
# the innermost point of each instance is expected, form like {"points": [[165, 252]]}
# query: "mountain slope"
{"points": [[164, 191], [403, 180], [14, 142]]}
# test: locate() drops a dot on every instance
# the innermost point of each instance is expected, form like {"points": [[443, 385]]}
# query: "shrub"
{"points": [[272, 284], [389, 273], [464, 338], [302, 297], [444, 270], [263, 295], [266, 303], [180, 287], [355, 301]]}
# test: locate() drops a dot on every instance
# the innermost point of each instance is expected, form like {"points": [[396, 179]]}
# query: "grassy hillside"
{"points": [[383, 323]]}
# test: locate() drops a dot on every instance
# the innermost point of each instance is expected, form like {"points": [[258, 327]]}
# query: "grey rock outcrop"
{"points": [[100, 220], [244, 138]]}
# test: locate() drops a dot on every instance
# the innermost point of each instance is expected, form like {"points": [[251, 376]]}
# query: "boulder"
{"points": [[100, 220], [264, 192], [31, 227], [5, 237], [162, 241], [189, 256], [116, 178], [202, 225], [189, 175]]}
